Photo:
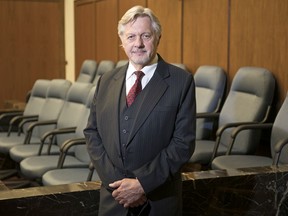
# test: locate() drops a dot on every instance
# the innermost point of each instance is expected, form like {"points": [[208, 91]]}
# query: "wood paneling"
{"points": [[32, 45], [259, 37], [170, 16], [85, 32], [106, 30], [205, 33], [227, 33]]}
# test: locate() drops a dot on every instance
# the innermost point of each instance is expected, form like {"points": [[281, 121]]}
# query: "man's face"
{"points": [[139, 42]]}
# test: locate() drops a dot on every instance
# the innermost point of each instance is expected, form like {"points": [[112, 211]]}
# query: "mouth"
{"points": [[139, 52]]}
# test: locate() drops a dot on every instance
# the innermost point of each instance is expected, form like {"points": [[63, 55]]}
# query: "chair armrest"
{"points": [[22, 117], [237, 124], [278, 149], [245, 124], [10, 114], [220, 131], [66, 146], [36, 124], [21, 121], [237, 130], [52, 134], [57, 131], [25, 121]]}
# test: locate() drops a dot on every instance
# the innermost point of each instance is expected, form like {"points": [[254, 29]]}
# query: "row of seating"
{"points": [[91, 71], [50, 145], [244, 111], [51, 121], [278, 144]]}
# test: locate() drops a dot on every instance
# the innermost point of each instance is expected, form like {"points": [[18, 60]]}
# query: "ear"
{"points": [[159, 39]]}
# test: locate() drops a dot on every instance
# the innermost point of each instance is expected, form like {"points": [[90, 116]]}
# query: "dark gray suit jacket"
{"points": [[162, 138]]}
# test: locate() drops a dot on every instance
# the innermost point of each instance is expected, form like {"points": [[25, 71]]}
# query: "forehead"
{"points": [[140, 25]]}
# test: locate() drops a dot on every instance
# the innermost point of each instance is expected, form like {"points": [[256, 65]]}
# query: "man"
{"points": [[138, 149]]}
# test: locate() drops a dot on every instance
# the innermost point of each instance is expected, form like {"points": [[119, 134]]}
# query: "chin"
{"points": [[141, 61]]}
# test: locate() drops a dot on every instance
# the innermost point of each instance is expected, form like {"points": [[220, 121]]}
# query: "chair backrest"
{"points": [[280, 131], [37, 97], [81, 150], [87, 71], [36, 100], [104, 66], [121, 63], [210, 85], [250, 95], [74, 109], [53, 105]]}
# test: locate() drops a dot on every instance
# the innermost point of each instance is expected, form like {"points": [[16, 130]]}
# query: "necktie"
{"points": [[136, 88]]}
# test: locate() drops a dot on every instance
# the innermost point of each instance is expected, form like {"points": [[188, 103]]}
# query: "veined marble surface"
{"points": [[243, 192]]}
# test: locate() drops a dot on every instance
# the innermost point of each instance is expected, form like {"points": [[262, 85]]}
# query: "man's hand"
{"points": [[128, 192]]}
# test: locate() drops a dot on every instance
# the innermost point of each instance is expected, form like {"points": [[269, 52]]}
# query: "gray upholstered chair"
{"points": [[121, 63], [51, 108], [65, 173], [103, 66], [73, 116], [32, 108], [87, 71], [278, 144], [248, 101], [63, 127], [210, 85]]}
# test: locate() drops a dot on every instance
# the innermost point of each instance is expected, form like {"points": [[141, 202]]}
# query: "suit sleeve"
{"points": [[170, 160], [105, 169]]}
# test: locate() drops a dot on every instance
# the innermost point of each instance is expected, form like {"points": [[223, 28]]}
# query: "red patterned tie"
{"points": [[136, 88]]}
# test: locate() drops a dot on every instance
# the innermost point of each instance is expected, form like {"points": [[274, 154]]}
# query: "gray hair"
{"points": [[138, 11]]}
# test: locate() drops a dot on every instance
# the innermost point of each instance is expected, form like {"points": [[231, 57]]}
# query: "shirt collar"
{"points": [[151, 67]]}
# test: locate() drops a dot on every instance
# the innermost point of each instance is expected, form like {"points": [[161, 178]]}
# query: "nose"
{"points": [[139, 42]]}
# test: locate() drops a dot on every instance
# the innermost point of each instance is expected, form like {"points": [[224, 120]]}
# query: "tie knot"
{"points": [[139, 74]]}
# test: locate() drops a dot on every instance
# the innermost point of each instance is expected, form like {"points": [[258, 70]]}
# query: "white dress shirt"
{"points": [[147, 70]]}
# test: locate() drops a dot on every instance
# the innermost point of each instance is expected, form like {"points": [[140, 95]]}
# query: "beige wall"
{"points": [[69, 40]]}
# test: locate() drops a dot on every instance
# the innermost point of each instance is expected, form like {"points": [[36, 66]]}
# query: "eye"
{"points": [[146, 36], [130, 37]]}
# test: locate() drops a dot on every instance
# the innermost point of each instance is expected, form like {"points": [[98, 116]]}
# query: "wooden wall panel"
{"points": [[259, 37], [227, 33], [205, 33], [123, 6], [106, 30], [85, 32], [170, 16], [32, 45]]}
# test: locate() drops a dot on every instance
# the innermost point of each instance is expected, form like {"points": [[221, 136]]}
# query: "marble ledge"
{"points": [[7, 194], [212, 174], [249, 191]]}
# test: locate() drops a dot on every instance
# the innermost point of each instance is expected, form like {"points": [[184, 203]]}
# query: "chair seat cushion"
{"points": [[20, 152], [203, 151], [6, 143], [240, 161], [67, 176], [35, 167]]}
